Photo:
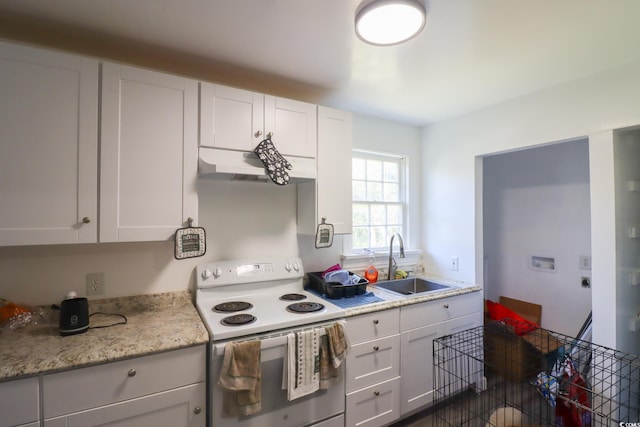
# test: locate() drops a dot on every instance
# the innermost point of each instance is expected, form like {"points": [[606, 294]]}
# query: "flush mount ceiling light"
{"points": [[389, 22]]}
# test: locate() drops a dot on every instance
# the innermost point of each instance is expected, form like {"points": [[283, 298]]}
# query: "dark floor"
{"points": [[475, 409]]}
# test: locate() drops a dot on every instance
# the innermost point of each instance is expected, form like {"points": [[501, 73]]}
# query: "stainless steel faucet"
{"points": [[392, 262]]}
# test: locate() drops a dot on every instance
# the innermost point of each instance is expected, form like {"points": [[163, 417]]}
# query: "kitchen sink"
{"points": [[412, 286]]}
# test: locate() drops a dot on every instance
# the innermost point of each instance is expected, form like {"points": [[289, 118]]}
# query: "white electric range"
{"points": [[265, 299]]}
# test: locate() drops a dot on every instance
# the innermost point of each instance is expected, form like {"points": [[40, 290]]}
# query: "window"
{"points": [[378, 195]]}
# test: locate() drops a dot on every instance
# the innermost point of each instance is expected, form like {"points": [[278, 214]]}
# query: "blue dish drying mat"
{"points": [[354, 301]]}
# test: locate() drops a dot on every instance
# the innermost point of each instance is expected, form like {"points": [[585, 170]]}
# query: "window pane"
{"points": [[391, 171], [374, 191], [360, 214], [374, 170], [360, 237], [378, 237], [358, 169], [392, 230], [391, 193], [394, 214], [359, 191], [378, 215]]}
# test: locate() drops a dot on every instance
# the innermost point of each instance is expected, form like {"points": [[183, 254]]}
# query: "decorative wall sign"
{"points": [[190, 242], [324, 235]]}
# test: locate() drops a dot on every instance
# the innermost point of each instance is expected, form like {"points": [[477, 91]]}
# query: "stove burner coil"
{"points": [[238, 319], [305, 307], [293, 297], [231, 306]]}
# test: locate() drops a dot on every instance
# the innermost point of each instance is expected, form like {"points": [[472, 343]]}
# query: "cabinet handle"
{"points": [[258, 133], [376, 348], [446, 305], [86, 220], [197, 410], [269, 135], [376, 393], [375, 322], [132, 372]]}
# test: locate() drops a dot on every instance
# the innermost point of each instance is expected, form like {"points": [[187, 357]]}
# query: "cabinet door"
{"points": [[459, 376], [293, 125], [180, 407], [416, 351], [330, 195], [148, 154], [48, 155], [19, 402], [230, 118]]}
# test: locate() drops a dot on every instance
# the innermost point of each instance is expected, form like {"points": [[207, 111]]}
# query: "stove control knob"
{"points": [[296, 266], [287, 266], [217, 272], [206, 274]]}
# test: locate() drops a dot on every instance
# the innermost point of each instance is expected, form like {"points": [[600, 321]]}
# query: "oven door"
{"points": [[277, 410]]}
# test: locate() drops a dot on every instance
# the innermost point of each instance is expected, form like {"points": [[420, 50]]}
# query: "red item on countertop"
{"points": [[371, 274]]}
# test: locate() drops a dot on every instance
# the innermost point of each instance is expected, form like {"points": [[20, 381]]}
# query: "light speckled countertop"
{"points": [[156, 323], [393, 300]]}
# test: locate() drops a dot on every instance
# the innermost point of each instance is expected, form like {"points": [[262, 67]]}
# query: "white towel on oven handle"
{"points": [[303, 363]]}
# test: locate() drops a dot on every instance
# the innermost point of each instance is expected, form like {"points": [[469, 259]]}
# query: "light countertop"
{"points": [[155, 323]]}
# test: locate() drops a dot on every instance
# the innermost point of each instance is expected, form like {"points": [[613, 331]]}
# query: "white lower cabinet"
{"points": [[373, 369], [420, 324], [165, 389], [182, 407], [19, 403]]}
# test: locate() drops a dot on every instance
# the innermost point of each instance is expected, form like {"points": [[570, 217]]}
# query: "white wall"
{"points": [[581, 108], [241, 219], [536, 203]]}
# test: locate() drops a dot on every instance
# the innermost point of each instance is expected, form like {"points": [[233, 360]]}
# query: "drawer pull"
{"points": [[86, 220], [376, 393], [446, 305], [132, 372], [197, 410], [375, 322], [376, 348]]}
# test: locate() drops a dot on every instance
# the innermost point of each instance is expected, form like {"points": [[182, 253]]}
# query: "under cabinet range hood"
{"points": [[215, 163]]}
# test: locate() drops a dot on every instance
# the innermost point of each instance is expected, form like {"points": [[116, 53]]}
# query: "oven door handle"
{"points": [[266, 342]]}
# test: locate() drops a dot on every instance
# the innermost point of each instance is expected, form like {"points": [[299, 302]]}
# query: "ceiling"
{"points": [[471, 54]]}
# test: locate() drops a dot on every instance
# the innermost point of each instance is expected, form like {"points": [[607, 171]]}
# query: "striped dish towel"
{"points": [[303, 363]]}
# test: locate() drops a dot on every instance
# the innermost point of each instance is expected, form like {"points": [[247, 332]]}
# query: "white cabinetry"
{"points": [[330, 195], [148, 159], [49, 149], [49, 183], [166, 389], [373, 369], [420, 324], [236, 119], [19, 403]]}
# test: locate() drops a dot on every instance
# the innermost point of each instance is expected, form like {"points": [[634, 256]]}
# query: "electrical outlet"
{"points": [[585, 262], [95, 284], [454, 263]]}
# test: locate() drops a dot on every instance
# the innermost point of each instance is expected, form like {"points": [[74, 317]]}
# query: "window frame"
{"points": [[403, 195]]}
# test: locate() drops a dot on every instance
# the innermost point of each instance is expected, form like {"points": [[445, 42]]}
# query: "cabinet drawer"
{"points": [[86, 388], [372, 362], [18, 402], [373, 406], [430, 312], [372, 326]]}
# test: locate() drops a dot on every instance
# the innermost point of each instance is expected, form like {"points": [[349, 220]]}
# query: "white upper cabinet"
{"points": [[48, 147], [148, 159], [330, 195], [236, 119], [292, 124]]}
